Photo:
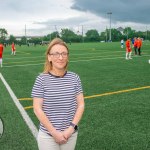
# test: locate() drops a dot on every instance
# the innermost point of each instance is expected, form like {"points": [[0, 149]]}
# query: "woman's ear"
{"points": [[49, 58]]}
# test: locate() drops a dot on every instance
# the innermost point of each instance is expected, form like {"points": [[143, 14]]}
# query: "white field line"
{"points": [[81, 58], [76, 61], [70, 54], [93, 52], [69, 61], [24, 114]]}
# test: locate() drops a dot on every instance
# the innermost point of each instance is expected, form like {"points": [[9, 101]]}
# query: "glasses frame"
{"points": [[57, 55]]}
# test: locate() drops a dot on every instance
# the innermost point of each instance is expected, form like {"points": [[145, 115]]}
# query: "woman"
{"points": [[57, 100]]}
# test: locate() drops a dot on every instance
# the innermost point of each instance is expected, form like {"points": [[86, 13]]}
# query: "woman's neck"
{"points": [[59, 73]]}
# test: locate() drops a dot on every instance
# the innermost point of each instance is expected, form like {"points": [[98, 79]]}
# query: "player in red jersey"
{"points": [[135, 45], [1, 54], [139, 45], [13, 49], [128, 49]]}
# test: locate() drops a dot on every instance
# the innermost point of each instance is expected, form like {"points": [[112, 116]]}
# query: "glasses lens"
{"points": [[57, 55], [64, 54]]}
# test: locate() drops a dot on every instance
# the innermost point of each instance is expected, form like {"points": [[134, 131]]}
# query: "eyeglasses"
{"points": [[57, 55]]}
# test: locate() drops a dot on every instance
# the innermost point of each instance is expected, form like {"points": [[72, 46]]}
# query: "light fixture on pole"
{"points": [[109, 13]]}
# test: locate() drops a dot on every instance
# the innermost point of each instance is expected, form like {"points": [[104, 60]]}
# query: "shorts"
{"points": [[128, 49], [1, 55]]}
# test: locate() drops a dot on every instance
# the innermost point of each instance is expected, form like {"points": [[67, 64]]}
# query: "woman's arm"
{"points": [[37, 106], [78, 115], [80, 109]]}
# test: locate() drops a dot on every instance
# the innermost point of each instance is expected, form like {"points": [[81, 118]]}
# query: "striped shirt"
{"points": [[59, 98]]}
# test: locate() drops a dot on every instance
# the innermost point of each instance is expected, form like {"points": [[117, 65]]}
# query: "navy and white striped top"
{"points": [[59, 94]]}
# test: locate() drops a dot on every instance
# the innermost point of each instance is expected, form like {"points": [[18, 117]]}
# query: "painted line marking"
{"points": [[116, 92], [94, 96], [73, 61], [24, 99], [22, 52], [24, 114], [28, 107]]}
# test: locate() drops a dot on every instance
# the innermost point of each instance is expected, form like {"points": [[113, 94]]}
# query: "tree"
{"points": [[92, 35], [47, 38], [104, 35], [51, 36], [3, 34], [23, 40], [69, 36], [11, 39], [129, 32], [116, 35], [35, 40]]}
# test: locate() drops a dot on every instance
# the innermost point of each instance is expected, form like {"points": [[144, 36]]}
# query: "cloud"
{"points": [[17, 10], [76, 24], [44, 16], [122, 10]]}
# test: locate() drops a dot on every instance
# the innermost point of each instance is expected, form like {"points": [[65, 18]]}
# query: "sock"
{"points": [[1, 62], [130, 54], [126, 55]]}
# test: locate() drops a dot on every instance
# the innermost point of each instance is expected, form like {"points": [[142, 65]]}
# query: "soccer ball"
{"points": [[149, 61]]}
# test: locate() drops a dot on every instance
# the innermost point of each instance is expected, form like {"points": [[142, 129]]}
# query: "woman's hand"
{"points": [[59, 137], [68, 132]]}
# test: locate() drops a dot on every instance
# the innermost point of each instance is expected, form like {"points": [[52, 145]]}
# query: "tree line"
{"points": [[69, 36]]}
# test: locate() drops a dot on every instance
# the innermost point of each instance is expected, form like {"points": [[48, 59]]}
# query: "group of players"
{"points": [[13, 49], [136, 44]]}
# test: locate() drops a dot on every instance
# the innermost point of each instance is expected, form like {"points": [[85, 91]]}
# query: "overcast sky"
{"points": [[42, 17]]}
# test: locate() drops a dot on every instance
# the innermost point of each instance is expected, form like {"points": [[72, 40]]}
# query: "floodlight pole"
{"points": [[26, 33], [82, 35], [146, 33], [109, 13], [56, 30], [106, 33]]}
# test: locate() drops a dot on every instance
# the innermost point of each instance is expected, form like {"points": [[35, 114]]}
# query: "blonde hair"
{"points": [[48, 65]]}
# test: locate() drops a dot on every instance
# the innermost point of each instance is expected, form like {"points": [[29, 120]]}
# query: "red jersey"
{"points": [[135, 43], [128, 47], [13, 47], [128, 43], [139, 43], [1, 50]]}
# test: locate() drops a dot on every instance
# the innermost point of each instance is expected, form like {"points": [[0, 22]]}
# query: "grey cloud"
{"points": [[57, 24], [70, 21], [122, 10]]}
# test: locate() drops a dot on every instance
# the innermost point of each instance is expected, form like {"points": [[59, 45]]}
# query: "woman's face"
{"points": [[58, 55]]}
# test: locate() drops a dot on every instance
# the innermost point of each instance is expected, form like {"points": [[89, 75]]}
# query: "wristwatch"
{"points": [[74, 126]]}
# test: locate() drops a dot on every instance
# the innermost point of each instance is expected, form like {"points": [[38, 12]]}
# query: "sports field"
{"points": [[117, 96]]}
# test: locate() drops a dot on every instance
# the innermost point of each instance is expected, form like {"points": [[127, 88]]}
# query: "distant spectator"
{"points": [[5, 44], [122, 43]]}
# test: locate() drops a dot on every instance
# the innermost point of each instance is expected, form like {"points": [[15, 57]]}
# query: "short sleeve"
{"points": [[38, 90], [79, 86]]}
